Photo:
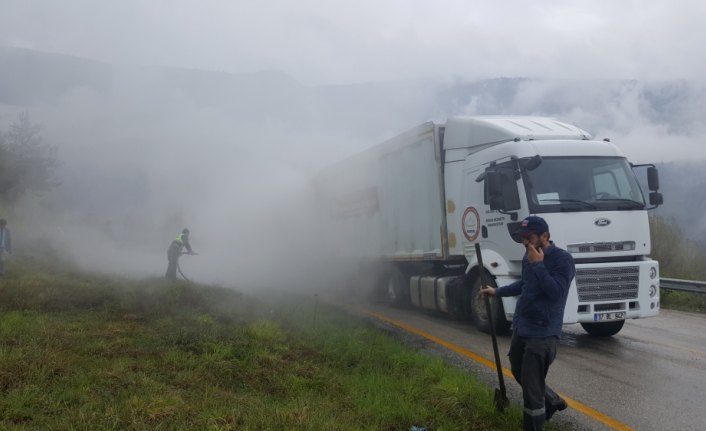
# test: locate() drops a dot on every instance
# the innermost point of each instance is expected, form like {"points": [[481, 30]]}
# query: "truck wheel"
{"points": [[479, 315], [603, 329], [396, 290]]}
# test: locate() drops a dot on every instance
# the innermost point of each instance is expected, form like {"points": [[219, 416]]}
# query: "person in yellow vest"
{"points": [[176, 249]]}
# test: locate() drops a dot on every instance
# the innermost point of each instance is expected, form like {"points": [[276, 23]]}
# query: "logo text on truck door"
{"points": [[471, 223]]}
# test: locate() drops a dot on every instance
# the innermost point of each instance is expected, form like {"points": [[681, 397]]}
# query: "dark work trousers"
{"points": [[173, 253], [529, 360]]}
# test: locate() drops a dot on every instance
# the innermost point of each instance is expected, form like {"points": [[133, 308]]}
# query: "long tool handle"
{"points": [[488, 310]]}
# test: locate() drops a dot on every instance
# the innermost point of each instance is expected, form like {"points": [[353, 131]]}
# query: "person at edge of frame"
{"points": [[5, 244]]}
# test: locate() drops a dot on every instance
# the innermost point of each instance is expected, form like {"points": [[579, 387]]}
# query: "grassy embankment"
{"points": [[683, 301], [85, 352], [679, 257]]}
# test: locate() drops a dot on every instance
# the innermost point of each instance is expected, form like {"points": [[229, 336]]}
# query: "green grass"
{"points": [[683, 301], [87, 352]]}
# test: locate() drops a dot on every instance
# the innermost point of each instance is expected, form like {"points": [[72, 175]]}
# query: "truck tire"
{"points": [[395, 288], [603, 329], [479, 315]]}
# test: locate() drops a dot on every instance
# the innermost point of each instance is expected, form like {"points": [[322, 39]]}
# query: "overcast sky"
{"points": [[328, 42]]}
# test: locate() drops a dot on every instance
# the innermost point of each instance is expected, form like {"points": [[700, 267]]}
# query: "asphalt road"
{"points": [[651, 376]]}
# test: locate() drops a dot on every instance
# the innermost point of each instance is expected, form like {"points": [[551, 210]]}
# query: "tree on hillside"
{"points": [[27, 164]]}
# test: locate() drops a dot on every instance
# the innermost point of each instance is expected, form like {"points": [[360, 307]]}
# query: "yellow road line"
{"points": [[588, 411]]}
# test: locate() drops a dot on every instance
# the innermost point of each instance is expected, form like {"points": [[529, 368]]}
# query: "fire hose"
{"points": [[179, 267]]}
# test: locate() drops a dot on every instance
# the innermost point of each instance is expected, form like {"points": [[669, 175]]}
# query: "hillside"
{"points": [[684, 187], [31, 78]]}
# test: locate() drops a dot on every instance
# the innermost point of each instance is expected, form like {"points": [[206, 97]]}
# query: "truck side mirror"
{"points": [[493, 184], [656, 199], [493, 189], [501, 190], [652, 179], [532, 163]]}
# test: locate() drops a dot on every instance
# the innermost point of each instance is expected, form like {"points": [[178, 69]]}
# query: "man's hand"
{"points": [[534, 254], [487, 290]]}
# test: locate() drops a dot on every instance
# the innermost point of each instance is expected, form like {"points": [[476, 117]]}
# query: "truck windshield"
{"points": [[582, 184]]}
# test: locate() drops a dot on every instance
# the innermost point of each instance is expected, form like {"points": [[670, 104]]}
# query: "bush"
{"points": [[27, 164]]}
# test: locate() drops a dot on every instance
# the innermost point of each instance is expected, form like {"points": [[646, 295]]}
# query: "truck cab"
{"points": [[587, 192]]}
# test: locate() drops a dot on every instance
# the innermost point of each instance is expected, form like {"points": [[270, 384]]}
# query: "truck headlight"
{"points": [[653, 272], [653, 291]]}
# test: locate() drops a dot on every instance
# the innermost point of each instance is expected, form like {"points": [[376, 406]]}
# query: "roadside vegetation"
{"points": [[87, 352], [27, 163], [683, 301], [679, 257]]}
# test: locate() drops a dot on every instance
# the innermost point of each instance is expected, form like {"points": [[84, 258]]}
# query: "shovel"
{"points": [[501, 401]]}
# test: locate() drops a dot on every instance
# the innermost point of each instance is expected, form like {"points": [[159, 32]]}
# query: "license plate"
{"points": [[618, 315]]}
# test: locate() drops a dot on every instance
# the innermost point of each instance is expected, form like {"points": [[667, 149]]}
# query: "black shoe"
{"points": [[553, 408]]}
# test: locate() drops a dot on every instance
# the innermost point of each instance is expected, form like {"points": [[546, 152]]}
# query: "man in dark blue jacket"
{"points": [[547, 272]]}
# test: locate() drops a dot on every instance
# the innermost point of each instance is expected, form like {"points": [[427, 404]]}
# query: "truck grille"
{"points": [[594, 247], [607, 284]]}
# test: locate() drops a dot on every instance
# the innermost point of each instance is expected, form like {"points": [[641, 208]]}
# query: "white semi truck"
{"points": [[413, 207]]}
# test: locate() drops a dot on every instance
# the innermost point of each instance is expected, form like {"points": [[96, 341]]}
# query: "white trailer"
{"points": [[416, 204]]}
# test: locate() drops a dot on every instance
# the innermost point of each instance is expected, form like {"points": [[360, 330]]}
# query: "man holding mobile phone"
{"points": [[547, 272]]}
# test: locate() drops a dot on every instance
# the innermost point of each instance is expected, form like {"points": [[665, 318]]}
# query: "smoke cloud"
{"points": [[215, 116]]}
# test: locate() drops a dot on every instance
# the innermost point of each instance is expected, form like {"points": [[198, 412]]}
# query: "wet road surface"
{"points": [[651, 376]]}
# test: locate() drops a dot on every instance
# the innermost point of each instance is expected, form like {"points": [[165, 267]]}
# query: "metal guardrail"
{"points": [[683, 285]]}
